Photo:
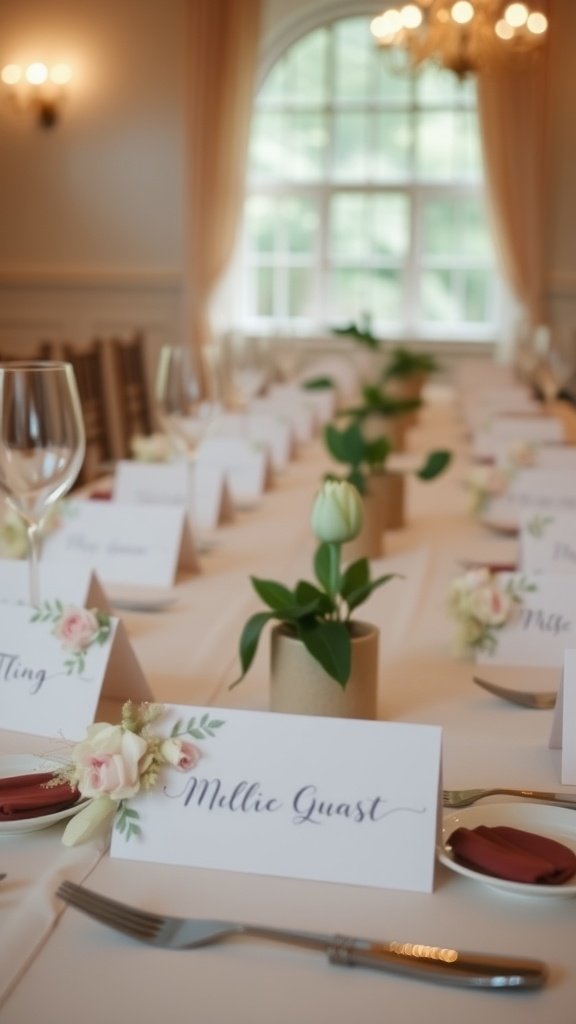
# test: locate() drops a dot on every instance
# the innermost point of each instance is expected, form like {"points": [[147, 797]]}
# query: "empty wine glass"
{"points": [[42, 444], [183, 413]]}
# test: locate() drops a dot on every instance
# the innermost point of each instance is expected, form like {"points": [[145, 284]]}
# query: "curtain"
{"points": [[223, 39], [512, 106]]}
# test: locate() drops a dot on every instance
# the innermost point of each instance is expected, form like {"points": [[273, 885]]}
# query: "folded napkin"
{"points": [[27, 796], [513, 854]]}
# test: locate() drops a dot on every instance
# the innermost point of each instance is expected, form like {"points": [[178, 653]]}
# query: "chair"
{"points": [[44, 350], [132, 398], [88, 368]]}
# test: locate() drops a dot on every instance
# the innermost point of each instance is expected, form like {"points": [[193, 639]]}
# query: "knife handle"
{"points": [[445, 966]]}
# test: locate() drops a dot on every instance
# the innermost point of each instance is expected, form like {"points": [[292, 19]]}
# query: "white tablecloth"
{"points": [[57, 967]]}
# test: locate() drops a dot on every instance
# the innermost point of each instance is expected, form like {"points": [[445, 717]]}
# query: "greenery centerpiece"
{"points": [[318, 615]]}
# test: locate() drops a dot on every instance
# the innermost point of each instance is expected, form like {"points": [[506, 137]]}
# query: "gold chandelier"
{"points": [[461, 35]]}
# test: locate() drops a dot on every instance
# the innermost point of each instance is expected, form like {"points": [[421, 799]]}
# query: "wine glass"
{"points": [[183, 413], [42, 444]]}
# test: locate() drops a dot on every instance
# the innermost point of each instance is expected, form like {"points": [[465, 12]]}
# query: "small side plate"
{"points": [[557, 823], [23, 764]]}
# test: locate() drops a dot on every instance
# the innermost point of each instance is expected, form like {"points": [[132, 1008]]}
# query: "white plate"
{"points": [[141, 599], [554, 822], [23, 764]]}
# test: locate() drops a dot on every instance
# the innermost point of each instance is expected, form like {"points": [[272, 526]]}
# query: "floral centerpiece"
{"points": [[115, 762], [482, 602], [319, 614]]}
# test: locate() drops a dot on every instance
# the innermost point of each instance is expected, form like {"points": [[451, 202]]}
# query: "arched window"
{"points": [[365, 196]]}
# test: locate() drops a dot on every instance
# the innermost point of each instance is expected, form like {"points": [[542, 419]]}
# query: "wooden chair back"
{"points": [[132, 393], [88, 368]]}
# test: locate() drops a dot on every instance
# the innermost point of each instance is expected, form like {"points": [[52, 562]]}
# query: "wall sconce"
{"points": [[38, 88]]}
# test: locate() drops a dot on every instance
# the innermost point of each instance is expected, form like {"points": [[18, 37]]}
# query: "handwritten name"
{"points": [[563, 552], [545, 622], [12, 669], [307, 805]]}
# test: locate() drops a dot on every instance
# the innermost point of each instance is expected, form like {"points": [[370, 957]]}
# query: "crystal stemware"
{"points": [[42, 444]]}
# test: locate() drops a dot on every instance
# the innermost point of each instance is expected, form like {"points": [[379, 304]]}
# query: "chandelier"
{"points": [[460, 35]]}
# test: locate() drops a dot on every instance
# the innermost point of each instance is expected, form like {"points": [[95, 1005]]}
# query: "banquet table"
{"points": [[58, 966]]}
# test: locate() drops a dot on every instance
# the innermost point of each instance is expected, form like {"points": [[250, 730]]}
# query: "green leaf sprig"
{"points": [[363, 457]]}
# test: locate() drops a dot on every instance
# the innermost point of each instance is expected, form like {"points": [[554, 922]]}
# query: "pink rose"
{"points": [[110, 761], [77, 628], [180, 754], [490, 605]]}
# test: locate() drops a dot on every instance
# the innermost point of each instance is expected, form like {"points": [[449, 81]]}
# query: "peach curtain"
{"points": [[223, 38], [512, 113]]}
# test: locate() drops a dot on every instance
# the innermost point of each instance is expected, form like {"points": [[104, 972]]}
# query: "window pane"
{"points": [[299, 291], [354, 293], [303, 146], [438, 296], [434, 85], [306, 70], [393, 155], [435, 148], [369, 226], [354, 60], [347, 220], [458, 225], [394, 83], [260, 222], [476, 296], [299, 221], [264, 291], [388, 224], [350, 149]]}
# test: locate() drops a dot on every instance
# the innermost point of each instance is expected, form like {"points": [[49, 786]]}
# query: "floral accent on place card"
{"points": [[483, 602], [77, 629], [537, 524], [115, 762], [155, 447], [522, 454], [485, 483]]}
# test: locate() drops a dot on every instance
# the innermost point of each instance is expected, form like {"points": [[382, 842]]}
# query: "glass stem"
{"points": [[33, 530]]}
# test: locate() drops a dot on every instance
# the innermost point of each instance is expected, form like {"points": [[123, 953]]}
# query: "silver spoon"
{"points": [[542, 700]]}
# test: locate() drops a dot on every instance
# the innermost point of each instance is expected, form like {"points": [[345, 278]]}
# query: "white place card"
{"points": [[55, 667], [548, 542], [249, 804], [66, 581], [289, 401], [563, 735], [544, 491], [200, 489], [272, 430], [536, 429], [127, 544], [246, 465], [542, 626]]}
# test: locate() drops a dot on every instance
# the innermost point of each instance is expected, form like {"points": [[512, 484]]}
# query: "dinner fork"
{"points": [[466, 797], [470, 970], [543, 700]]}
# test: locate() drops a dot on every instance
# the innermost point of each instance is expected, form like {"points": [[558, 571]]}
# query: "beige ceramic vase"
{"points": [[300, 686]]}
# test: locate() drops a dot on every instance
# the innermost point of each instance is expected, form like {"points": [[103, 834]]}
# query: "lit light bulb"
{"points": [[516, 15], [503, 30], [61, 74], [11, 74], [462, 12], [537, 23], [36, 73], [392, 21], [411, 16]]}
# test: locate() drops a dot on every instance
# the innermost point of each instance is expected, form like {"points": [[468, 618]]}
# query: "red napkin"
{"points": [[513, 854], [27, 796]]}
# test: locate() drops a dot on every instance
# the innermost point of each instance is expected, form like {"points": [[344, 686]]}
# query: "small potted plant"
{"points": [[383, 489], [406, 372], [383, 415], [322, 661]]}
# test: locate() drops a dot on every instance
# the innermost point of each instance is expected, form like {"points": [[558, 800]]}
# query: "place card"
{"points": [[542, 625], [127, 544], [535, 429], [288, 401], [246, 464], [273, 430], [548, 542], [250, 803], [66, 581], [563, 734], [546, 491], [56, 664], [200, 489]]}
